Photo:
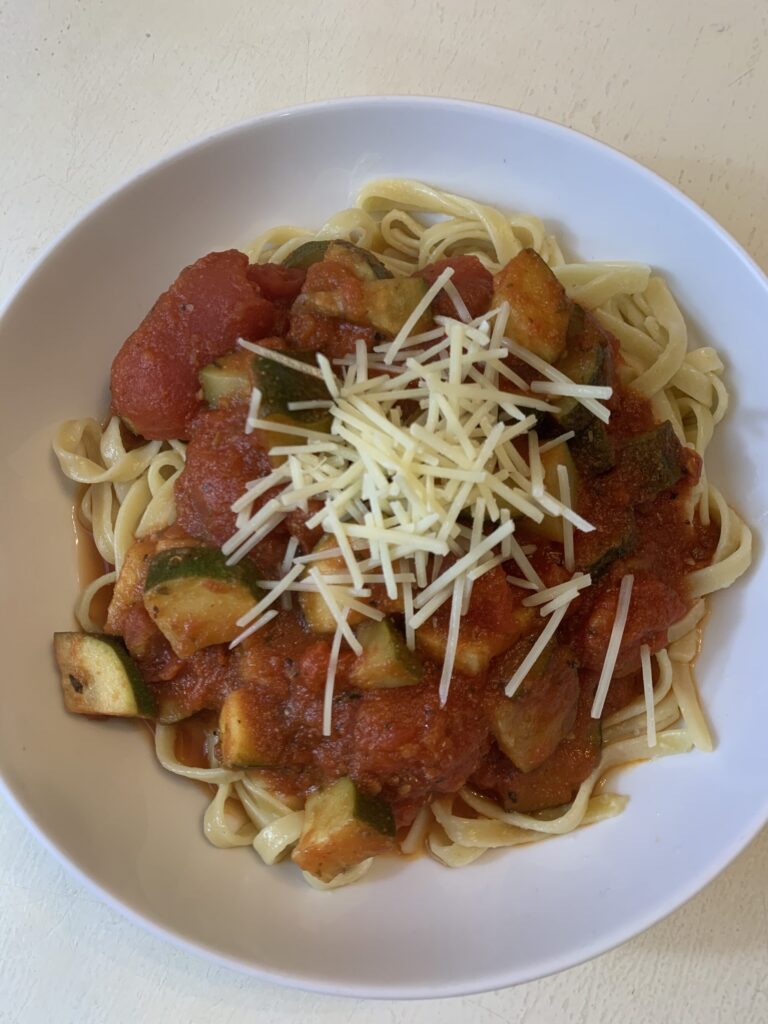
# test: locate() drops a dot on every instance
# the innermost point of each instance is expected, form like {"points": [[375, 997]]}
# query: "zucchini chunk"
{"points": [[229, 376], [251, 730], [529, 726], [99, 677], [316, 612], [386, 661], [236, 374], [586, 361], [280, 385], [368, 267], [593, 449], [382, 304], [651, 463], [195, 598], [539, 309], [556, 782], [342, 827]]}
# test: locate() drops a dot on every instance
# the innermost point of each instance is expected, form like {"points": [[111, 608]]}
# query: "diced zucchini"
{"points": [[475, 647], [318, 616], [236, 374], [384, 304], [551, 527], [195, 598], [366, 264], [99, 677], [597, 550], [593, 449], [556, 781], [251, 730], [586, 361], [386, 661], [529, 726], [342, 827], [280, 385], [651, 463], [227, 377], [539, 309]]}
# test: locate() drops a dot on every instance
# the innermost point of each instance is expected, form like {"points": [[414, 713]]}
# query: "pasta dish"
{"points": [[407, 533]]}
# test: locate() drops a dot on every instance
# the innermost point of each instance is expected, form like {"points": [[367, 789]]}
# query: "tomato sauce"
{"points": [[396, 742]]}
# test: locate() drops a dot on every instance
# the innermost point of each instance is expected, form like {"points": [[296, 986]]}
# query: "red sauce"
{"points": [[473, 282], [397, 742]]}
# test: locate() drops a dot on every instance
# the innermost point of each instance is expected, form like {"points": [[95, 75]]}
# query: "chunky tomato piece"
{"points": [[277, 283], [473, 281], [221, 459], [212, 303]]}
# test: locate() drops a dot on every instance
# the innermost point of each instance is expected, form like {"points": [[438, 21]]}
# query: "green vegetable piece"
{"points": [[593, 449], [586, 361], [228, 376], [99, 677], [313, 252], [386, 661], [251, 731], [538, 306], [195, 598], [280, 385], [651, 463], [529, 726], [342, 827]]}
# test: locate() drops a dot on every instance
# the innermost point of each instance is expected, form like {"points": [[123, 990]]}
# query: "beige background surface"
{"points": [[94, 90]]}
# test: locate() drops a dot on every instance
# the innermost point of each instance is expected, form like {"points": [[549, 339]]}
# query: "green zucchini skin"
{"points": [[280, 384], [312, 252], [99, 677], [651, 462], [200, 563], [586, 360], [342, 827], [374, 812], [195, 599], [593, 450]]}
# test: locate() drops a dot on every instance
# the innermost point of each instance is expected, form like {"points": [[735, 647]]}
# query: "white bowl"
{"points": [[94, 793]]}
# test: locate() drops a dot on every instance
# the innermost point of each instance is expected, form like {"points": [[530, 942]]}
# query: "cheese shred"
{"points": [[398, 491]]}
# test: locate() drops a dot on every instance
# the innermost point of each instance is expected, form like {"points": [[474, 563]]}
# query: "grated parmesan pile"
{"points": [[423, 461]]}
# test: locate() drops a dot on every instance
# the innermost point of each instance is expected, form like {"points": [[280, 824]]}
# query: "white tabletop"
{"points": [[92, 91]]}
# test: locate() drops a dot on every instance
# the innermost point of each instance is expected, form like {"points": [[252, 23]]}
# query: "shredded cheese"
{"points": [[533, 655], [650, 707], [552, 374], [570, 390], [330, 675], [253, 628], [423, 460], [614, 644], [577, 582], [253, 411], [564, 484]]}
